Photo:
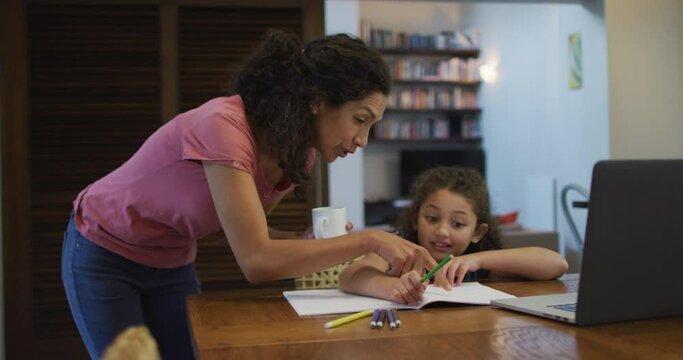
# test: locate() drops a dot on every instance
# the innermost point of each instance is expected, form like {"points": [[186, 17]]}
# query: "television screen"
{"points": [[413, 162]]}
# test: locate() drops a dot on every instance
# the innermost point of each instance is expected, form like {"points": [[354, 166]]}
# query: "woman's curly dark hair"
{"points": [[280, 81], [464, 181]]}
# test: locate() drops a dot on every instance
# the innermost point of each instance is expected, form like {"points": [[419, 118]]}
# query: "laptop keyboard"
{"points": [[566, 307]]}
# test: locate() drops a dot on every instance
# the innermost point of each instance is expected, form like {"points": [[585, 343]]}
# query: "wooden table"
{"points": [[260, 324]]}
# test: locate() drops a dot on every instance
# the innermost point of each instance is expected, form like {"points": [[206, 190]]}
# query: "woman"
{"points": [[129, 249]]}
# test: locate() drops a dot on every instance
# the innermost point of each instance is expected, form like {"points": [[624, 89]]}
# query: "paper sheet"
{"points": [[333, 301]]}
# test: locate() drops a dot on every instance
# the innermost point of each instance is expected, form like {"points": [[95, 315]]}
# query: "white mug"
{"points": [[329, 222]]}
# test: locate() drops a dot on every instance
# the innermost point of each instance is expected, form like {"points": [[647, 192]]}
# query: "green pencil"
{"points": [[434, 270]]}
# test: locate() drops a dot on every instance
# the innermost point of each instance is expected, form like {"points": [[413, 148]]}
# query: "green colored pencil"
{"points": [[434, 270]]}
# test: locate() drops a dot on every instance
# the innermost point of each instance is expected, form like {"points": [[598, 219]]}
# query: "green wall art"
{"points": [[575, 61]]}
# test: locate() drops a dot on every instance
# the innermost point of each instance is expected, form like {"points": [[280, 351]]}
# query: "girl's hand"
{"points": [[457, 268], [403, 256], [408, 289]]}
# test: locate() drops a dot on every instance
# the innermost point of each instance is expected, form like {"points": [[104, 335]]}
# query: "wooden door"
{"points": [[84, 83]]}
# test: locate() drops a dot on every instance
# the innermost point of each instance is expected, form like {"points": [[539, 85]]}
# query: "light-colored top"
{"points": [[155, 206]]}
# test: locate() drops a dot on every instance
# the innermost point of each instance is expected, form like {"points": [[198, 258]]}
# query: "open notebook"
{"points": [[333, 301]]}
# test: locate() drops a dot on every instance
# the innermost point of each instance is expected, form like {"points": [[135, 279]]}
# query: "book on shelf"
{"points": [[416, 129], [453, 69], [426, 129], [470, 128], [390, 39], [430, 98]]}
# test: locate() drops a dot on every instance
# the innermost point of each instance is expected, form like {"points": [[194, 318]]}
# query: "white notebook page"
{"points": [[333, 301]]}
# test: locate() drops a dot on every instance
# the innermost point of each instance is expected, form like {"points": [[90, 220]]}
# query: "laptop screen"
{"points": [[633, 253]]}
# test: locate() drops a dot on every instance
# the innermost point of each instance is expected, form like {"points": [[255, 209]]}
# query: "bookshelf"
{"points": [[436, 83], [434, 96]]}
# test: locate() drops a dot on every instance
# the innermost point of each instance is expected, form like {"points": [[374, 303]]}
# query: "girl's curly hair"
{"points": [[464, 181], [280, 81]]}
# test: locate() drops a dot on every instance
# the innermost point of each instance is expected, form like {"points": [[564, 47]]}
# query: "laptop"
{"points": [[632, 263]]}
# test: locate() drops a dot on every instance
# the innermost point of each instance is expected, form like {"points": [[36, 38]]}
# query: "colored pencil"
{"points": [[347, 319], [375, 318], [396, 319], [434, 270], [382, 316], [390, 319]]}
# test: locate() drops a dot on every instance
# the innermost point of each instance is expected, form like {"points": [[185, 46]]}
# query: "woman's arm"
{"points": [[244, 222], [282, 234], [533, 263]]}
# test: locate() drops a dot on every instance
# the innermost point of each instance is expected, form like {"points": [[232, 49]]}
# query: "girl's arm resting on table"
{"points": [[368, 277], [533, 263], [244, 222]]}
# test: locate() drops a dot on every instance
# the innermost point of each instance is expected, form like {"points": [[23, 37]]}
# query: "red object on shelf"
{"points": [[507, 218]]}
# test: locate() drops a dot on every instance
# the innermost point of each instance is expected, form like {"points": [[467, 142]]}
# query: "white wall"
{"points": [[534, 126], [645, 78], [345, 181], [584, 113]]}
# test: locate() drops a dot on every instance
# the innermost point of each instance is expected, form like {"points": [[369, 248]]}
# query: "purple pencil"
{"points": [[375, 318], [396, 319], [390, 319], [382, 316]]}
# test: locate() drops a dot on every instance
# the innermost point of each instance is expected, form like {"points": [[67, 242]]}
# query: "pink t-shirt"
{"points": [[155, 206]]}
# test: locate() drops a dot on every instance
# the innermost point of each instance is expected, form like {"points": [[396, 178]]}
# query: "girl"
{"points": [[450, 214]]}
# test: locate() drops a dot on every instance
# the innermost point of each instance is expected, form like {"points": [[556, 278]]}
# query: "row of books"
{"points": [[426, 129], [432, 99], [454, 69], [390, 39]]}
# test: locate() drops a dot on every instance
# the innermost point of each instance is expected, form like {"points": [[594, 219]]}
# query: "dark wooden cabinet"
{"points": [[84, 83]]}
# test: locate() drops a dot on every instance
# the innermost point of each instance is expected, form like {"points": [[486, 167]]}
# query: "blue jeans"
{"points": [[108, 293]]}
